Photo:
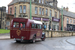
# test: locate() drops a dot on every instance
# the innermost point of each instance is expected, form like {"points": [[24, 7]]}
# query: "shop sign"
{"points": [[55, 19], [36, 18], [45, 19]]}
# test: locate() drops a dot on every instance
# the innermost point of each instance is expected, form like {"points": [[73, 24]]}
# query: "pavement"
{"points": [[71, 41], [4, 36]]}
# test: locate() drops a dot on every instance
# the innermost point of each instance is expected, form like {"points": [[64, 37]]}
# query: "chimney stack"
{"points": [[66, 8]]}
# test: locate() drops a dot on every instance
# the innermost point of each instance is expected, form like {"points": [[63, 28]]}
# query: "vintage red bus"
{"points": [[25, 29]]}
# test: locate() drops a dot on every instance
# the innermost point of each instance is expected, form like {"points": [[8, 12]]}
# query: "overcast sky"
{"points": [[64, 3]]}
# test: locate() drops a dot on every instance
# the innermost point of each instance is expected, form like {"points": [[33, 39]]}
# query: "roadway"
{"points": [[61, 43]]}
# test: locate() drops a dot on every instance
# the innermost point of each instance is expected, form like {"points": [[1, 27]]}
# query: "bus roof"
{"points": [[33, 21]]}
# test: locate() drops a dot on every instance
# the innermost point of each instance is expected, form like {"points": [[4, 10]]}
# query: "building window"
{"points": [[57, 27], [46, 11], [56, 14], [50, 13], [51, 4], [36, 1], [10, 10], [42, 11], [33, 0], [15, 9], [73, 22], [20, 9], [70, 20], [36, 10], [39, 1], [7, 23], [42, 1], [53, 27], [67, 21], [24, 9]]}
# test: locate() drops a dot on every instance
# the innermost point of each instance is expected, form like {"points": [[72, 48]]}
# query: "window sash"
{"points": [[39, 1], [20, 9], [24, 9], [40, 11], [42, 1], [56, 14], [43, 11], [50, 13], [46, 11], [36, 10], [67, 20], [10, 10], [15, 9]]}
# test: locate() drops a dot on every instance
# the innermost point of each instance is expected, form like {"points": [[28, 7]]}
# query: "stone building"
{"points": [[42, 10], [2, 17], [68, 20], [9, 17]]}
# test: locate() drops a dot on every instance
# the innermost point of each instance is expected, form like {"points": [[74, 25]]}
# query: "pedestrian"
{"points": [[44, 27]]}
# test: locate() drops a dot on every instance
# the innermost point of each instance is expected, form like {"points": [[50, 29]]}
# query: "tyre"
{"points": [[33, 40], [43, 39]]}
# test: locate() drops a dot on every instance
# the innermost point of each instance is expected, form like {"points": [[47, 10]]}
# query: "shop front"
{"points": [[70, 27], [55, 24], [44, 20]]}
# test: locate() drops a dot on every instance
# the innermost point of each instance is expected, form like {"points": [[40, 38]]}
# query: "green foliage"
{"points": [[3, 31]]}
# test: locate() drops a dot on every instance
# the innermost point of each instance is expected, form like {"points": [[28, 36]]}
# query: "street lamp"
{"points": [[62, 18], [30, 10]]}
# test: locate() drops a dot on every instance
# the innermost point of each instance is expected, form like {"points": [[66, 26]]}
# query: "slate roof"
{"points": [[69, 14], [15, 1]]}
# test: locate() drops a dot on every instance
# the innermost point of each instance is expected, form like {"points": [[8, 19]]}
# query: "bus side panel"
{"points": [[37, 32], [25, 34]]}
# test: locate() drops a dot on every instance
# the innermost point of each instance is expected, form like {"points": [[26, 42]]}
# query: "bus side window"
{"points": [[22, 25], [16, 24], [38, 26], [33, 26]]}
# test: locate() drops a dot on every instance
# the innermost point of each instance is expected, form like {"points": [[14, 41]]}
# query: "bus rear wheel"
{"points": [[33, 40]]}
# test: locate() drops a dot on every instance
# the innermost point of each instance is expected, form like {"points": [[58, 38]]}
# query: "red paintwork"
{"points": [[26, 32]]}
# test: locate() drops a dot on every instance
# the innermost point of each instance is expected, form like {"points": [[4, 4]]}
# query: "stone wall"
{"points": [[58, 33]]}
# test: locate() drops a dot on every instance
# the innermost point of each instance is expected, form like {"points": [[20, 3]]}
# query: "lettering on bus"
{"points": [[38, 33]]}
